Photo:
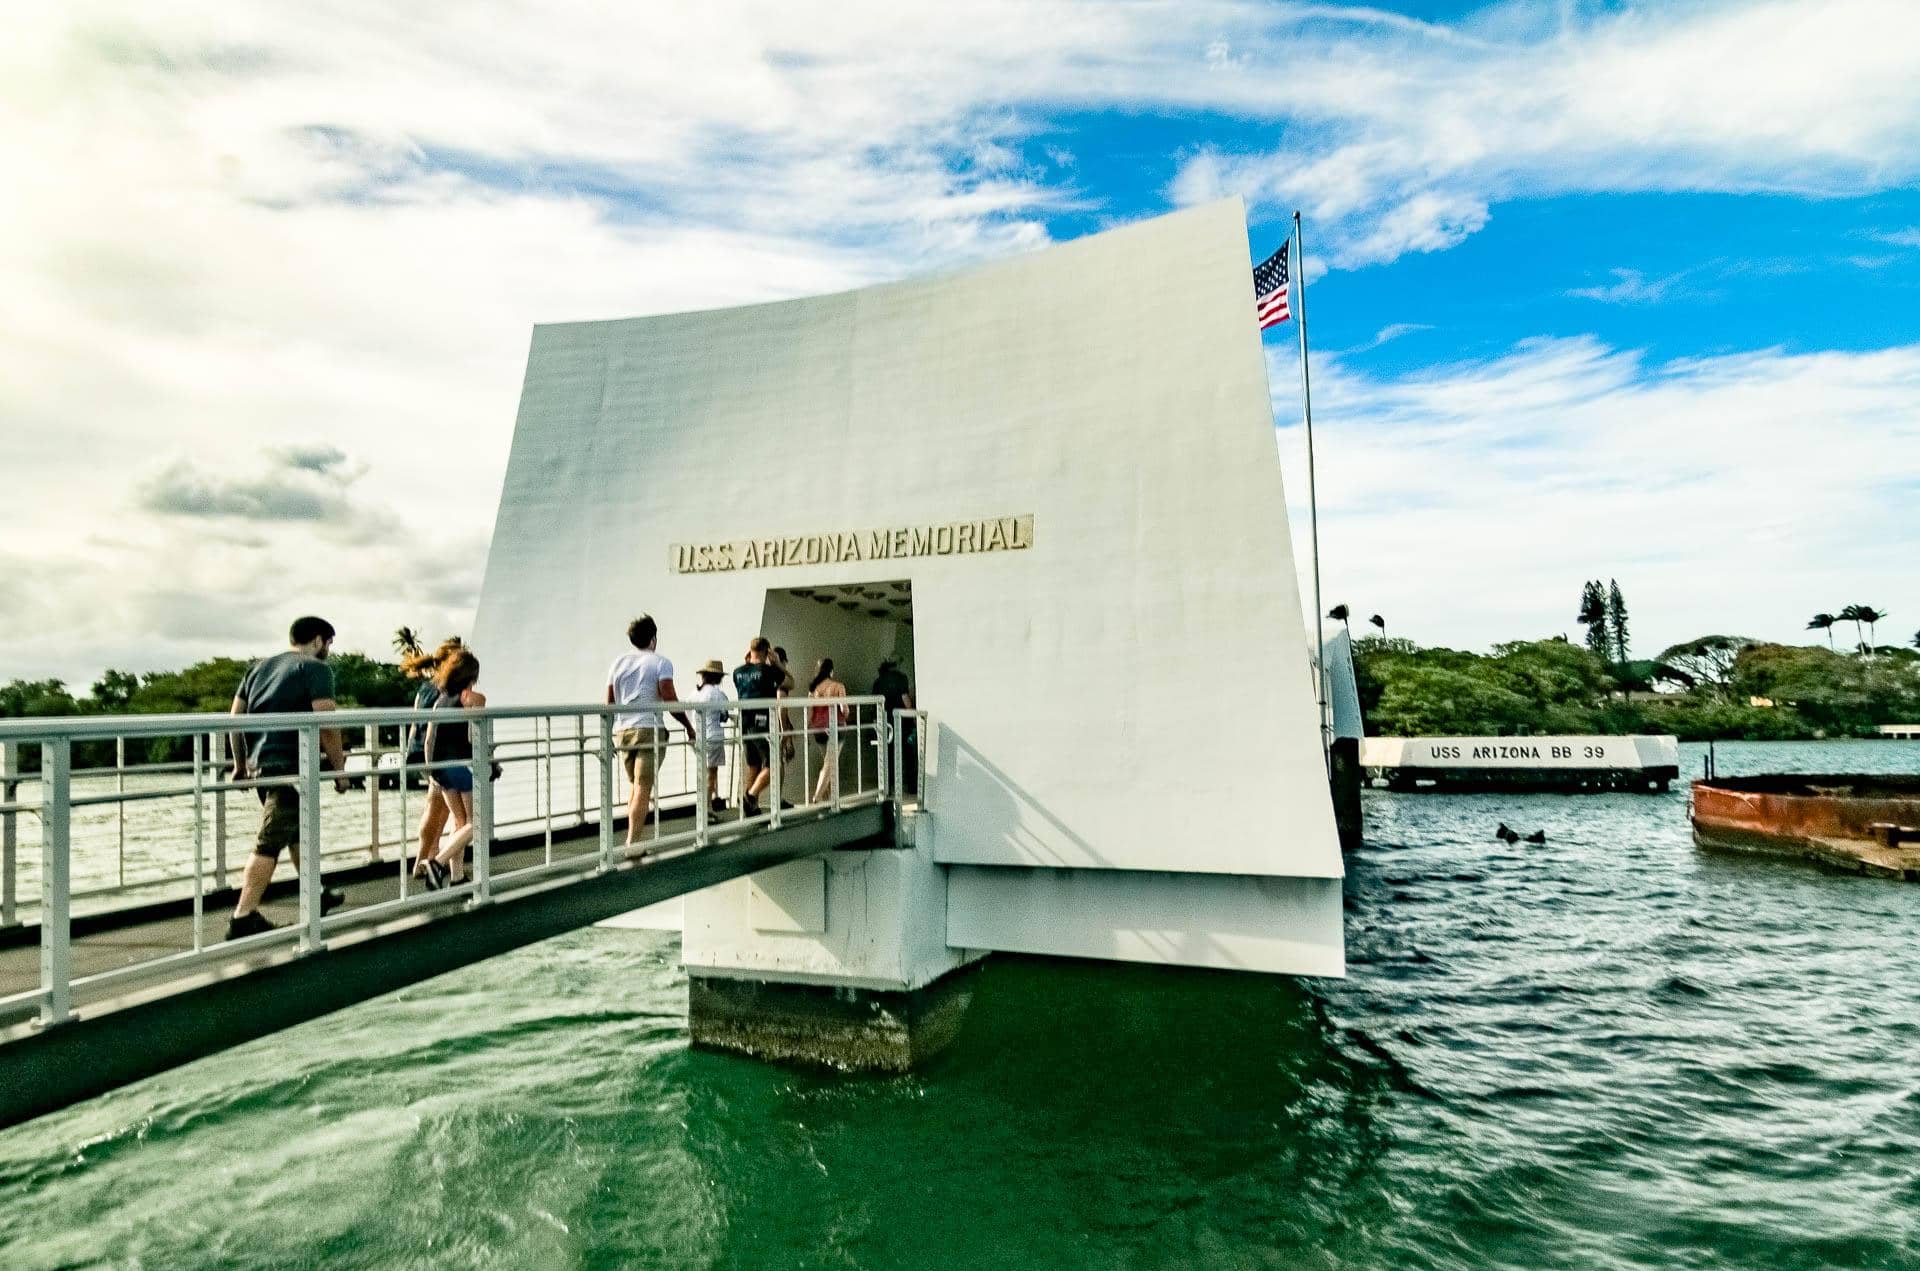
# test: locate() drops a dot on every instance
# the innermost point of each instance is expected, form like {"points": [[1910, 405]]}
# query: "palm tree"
{"points": [[406, 642], [1869, 615], [1852, 614], [1823, 622], [1916, 639], [1379, 622], [1339, 614]]}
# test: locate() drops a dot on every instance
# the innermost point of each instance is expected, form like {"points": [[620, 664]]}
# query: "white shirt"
{"points": [[715, 722], [635, 679]]}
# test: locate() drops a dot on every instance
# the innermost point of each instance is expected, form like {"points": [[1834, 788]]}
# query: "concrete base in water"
{"points": [[853, 1029]]}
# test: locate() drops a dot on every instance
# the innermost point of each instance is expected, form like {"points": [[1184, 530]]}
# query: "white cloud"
{"points": [[1909, 237], [1400, 142], [1629, 286], [236, 232], [1741, 492], [1392, 331]]}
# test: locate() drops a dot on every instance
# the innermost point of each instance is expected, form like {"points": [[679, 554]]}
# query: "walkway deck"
{"points": [[171, 1019]]}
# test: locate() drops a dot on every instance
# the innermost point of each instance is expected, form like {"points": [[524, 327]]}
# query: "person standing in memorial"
{"points": [[786, 722], [892, 684], [713, 727], [294, 681], [821, 717], [756, 679], [644, 680]]}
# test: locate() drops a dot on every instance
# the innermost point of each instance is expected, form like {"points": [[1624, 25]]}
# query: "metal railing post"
{"points": [[579, 770], [545, 726], [220, 809], [882, 741], [9, 833], [373, 793], [199, 835], [606, 792], [120, 806], [702, 810], [776, 781], [833, 751], [311, 940], [896, 756], [56, 916], [482, 811]]}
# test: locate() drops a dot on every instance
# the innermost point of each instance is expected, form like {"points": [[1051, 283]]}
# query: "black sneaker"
{"points": [[250, 924], [749, 808], [330, 900], [717, 806]]}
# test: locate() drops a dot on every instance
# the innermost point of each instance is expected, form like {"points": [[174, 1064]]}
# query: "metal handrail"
{"points": [[107, 727], [550, 752]]}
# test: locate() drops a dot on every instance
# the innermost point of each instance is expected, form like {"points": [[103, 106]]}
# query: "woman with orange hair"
{"points": [[433, 818], [452, 744]]}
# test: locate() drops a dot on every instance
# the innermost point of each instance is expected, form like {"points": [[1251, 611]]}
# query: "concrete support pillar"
{"points": [[1345, 775], [839, 961]]}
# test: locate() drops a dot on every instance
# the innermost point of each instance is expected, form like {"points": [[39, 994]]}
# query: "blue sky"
{"points": [[1599, 290]]}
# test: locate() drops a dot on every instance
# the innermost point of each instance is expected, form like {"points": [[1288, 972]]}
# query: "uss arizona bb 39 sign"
{"points": [[954, 538]]}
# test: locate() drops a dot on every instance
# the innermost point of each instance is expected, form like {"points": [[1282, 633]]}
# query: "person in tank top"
{"points": [[433, 817], [820, 719], [450, 742]]}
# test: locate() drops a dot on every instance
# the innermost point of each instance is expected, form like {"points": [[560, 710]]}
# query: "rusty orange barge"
{"points": [[1861, 824]]}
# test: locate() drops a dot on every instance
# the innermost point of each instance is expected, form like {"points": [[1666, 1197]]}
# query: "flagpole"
{"points": [[1313, 498]]}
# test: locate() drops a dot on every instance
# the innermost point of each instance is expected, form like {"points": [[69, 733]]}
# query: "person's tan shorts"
{"points": [[643, 748]]}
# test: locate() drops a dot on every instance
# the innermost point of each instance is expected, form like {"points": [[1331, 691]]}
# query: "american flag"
{"points": [[1270, 289]]}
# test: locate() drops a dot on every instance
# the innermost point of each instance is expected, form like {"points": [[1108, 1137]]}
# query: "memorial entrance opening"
{"points": [[858, 625]]}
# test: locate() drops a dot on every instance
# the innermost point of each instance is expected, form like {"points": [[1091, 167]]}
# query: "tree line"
{"points": [[358, 680], [1715, 687]]}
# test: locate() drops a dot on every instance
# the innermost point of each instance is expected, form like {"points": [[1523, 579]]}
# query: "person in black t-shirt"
{"points": [[756, 678], [892, 684], [297, 680]]}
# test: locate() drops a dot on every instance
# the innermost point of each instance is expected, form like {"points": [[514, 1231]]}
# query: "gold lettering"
{"points": [[996, 534]]}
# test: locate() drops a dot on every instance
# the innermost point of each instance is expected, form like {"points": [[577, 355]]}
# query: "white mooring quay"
{"points": [[1521, 763]]}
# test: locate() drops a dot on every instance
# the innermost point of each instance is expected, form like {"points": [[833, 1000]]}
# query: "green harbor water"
{"points": [[1608, 1051]]}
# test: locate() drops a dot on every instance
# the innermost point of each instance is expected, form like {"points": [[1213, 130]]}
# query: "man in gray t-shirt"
{"points": [[294, 681]]}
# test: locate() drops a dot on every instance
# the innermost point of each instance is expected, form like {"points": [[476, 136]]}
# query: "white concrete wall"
{"points": [[1343, 694], [1114, 389], [885, 923]]}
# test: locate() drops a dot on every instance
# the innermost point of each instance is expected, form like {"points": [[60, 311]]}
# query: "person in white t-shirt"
{"points": [[642, 679], [714, 725]]}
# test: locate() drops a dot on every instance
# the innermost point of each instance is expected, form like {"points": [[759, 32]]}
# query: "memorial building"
{"points": [[1048, 489]]}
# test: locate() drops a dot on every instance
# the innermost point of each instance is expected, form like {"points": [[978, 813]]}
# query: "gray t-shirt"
{"points": [[284, 682]]}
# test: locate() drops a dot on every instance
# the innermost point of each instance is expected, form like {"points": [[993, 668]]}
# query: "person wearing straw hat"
{"points": [[713, 726]]}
